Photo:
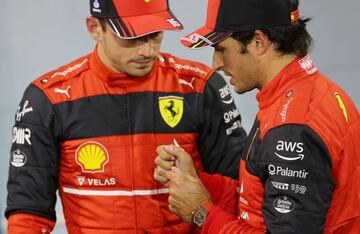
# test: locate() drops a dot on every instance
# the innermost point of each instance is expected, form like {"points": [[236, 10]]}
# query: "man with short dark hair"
{"points": [[300, 170], [90, 129]]}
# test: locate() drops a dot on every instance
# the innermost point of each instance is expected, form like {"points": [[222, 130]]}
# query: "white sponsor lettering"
{"points": [[293, 147], [278, 170], [190, 68], [184, 82], [230, 115], [69, 69], [298, 188], [96, 182], [195, 37], [225, 93], [280, 186], [174, 22], [21, 135], [63, 91], [284, 205], [21, 112], [18, 158], [283, 113], [235, 126]]}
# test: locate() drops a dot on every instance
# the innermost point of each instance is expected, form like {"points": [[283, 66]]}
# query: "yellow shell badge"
{"points": [[92, 157], [342, 106], [171, 109]]}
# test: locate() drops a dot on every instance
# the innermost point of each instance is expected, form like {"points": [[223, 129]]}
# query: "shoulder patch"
{"points": [[63, 73]]}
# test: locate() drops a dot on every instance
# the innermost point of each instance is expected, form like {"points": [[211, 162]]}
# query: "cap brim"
{"points": [[203, 37], [137, 26]]}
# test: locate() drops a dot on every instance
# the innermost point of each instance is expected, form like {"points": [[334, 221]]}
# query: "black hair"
{"points": [[289, 39]]}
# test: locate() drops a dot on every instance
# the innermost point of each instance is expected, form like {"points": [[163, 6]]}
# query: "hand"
{"points": [[186, 193], [169, 156]]}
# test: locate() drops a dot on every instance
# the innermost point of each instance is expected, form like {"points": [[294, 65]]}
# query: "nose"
{"points": [[217, 62], [146, 49]]}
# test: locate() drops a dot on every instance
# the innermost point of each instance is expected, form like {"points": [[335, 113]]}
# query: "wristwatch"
{"points": [[199, 215]]}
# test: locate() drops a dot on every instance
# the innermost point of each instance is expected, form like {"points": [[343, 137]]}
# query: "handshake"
{"points": [[176, 170]]}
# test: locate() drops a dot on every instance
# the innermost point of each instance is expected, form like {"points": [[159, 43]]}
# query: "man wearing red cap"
{"points": [[300, 170], [90, 129]]}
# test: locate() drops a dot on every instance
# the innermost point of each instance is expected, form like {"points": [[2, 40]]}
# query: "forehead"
{"points": [[226, 43]]}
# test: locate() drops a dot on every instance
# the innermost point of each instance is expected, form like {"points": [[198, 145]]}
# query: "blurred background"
{"points": [[42, 35]]}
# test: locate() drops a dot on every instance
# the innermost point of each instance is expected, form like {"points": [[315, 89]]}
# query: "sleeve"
{"points": [[34, 163], [221, 136], [223, 191], [297, 178], [223, 217], [295, 168]]}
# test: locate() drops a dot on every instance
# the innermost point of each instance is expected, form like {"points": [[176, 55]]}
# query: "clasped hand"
{"points": [[176, 170]]}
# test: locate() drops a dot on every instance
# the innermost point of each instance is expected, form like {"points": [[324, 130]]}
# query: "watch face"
{"points": [[199, 216]]}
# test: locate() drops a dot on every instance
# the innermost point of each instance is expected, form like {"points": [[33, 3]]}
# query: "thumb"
{"points": [[177, 152]]}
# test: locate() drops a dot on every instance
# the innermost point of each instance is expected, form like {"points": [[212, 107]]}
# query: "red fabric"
{"points": [[29, 224]]}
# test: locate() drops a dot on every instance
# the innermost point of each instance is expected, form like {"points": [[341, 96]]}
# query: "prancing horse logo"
{"points": [[171, 109]]}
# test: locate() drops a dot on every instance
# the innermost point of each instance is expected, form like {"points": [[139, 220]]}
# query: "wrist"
{"points": [[199, 214]]}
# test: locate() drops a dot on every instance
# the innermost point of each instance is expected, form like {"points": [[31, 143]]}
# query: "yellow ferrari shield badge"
{"points": [[147, 1], [171, 109]]}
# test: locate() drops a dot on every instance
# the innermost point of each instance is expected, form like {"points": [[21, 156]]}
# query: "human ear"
{"points": [[94, 28]]}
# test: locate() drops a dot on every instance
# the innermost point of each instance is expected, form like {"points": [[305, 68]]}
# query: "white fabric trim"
{"points": [[115, 192]]}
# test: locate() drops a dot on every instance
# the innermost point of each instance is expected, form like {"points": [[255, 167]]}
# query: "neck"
{"points": [[273, 65]]}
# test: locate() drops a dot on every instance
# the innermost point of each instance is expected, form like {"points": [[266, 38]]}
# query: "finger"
{"points": [[180, 155], [173, 177], [160, 178], [163, 154], [164, 164]]}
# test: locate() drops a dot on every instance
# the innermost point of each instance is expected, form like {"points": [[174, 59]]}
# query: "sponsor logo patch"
{"points": [[63, 91], [21, 136], [184, 82], [225, 95], [21, 111], [231, 115], [82, 180], [18, 158], [236, 125], [307, 64], [278, 170], [290, 147], [284, 110], [173, 22], [96, 6], [92, 157], [284, 205], [190, 68], [171, 109]]}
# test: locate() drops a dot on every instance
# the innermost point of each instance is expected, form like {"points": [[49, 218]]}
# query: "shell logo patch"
{"points": [[171, 109], [342, 106], [92, 157]]}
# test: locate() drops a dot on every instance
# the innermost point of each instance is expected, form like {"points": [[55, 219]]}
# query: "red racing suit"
{"points": [[92, 135], [301, 167]]}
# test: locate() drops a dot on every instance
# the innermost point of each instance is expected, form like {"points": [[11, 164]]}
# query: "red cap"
{"points": [[135, 18], [206, 35]]}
